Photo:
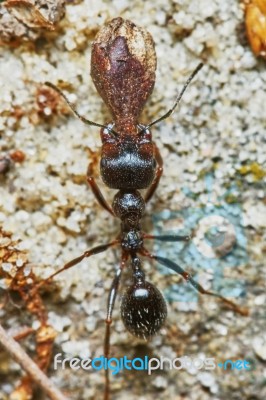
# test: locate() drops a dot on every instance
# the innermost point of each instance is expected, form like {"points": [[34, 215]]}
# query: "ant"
{"points": [[123, 65]]}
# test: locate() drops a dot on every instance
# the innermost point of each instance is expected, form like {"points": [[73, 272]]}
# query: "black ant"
{"points": [[123, 67]]}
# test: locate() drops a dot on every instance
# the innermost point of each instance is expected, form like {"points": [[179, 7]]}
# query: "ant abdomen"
{"points": [[143, 309]]}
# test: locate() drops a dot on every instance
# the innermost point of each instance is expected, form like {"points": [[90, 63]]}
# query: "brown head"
{"points": [[123, 64]]}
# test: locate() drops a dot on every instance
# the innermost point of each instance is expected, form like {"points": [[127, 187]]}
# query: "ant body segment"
{"points": [[123, 70]]}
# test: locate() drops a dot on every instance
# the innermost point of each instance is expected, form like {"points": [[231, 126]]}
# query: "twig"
{"points": [[17, 352]]}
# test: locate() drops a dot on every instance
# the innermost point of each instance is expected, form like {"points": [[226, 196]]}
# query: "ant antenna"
{"points": [[179, 97], [83, 119]]}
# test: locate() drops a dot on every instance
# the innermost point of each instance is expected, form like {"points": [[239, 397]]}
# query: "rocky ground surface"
{"points": [[213, 185]]}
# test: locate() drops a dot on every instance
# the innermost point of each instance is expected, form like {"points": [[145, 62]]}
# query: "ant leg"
{"points": [[159, 171], [75, 261], [172, 265], [168, 238], [98, 194], [108, 321]]}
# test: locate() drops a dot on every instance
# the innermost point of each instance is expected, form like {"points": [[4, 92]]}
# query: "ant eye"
{"points": [[143, 309], [145, 135], [103, 163]]}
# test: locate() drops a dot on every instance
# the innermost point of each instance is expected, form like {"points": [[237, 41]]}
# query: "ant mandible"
{"points": [[123, 65]]}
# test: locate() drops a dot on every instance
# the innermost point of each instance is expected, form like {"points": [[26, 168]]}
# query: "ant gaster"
{"points": [[123, 65]]}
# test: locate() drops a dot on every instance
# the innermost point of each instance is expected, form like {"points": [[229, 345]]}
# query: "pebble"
{"points": [[160, 382], [78, 348], [58, 322], [259, 347], [208, 380]]}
